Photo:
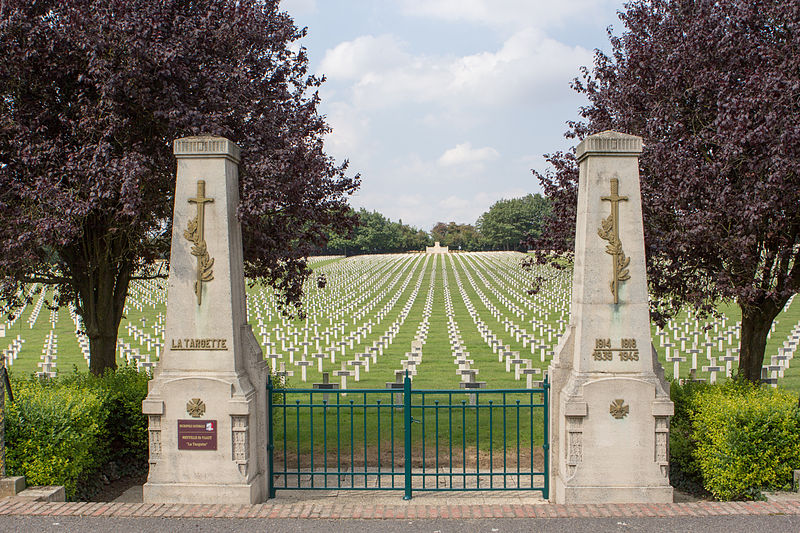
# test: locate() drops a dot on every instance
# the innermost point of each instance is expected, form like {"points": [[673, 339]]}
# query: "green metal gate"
{"points": [[407, 439]]}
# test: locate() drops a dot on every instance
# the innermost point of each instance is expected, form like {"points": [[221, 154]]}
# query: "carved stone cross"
{"points": [[609, 231], [195, 234]]}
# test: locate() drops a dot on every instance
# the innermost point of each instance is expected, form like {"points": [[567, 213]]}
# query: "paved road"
{"points": [[709, 524]]}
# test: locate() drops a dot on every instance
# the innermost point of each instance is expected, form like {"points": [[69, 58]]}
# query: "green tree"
{"points": [[92, 94], [508, 222], [457, 236], [412, 239], [712, 88], [376, 233]]}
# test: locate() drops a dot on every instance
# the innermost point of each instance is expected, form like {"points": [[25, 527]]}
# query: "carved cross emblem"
{"points": [[609, 231], [618, 409], [196, 407], [195, 234]]}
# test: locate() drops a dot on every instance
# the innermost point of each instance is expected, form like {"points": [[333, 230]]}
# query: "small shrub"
{"points": [[746, 438], [122, 393], [54, 434], [684, 472], [62, 431]]}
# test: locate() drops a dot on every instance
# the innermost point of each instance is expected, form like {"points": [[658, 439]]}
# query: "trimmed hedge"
{"points": [[736, 439], [62, 431]]}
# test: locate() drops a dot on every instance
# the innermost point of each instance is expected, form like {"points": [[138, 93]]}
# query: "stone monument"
{"points": [[437, 249], [610, 405], [206, 404]]}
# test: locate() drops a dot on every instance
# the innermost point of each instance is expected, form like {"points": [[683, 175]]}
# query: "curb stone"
{"points": [[13, 506]]}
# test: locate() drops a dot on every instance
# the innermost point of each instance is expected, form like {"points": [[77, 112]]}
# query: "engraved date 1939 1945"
{"points": [[604, 352]]}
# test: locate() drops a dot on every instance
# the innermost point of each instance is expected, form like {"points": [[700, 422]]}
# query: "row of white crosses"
{"points": [[53, 318], [505, 355], [133, 356], [80, 334], [458, 349], [24, 297], [409, 365], [11, 353], [547, 336], [685, 341], [37, 308], [341, 338], [779, 362], [413, 359], [49, 356], [320, 258]]}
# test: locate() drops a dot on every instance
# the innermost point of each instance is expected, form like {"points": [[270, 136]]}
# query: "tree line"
{"points": [[505, 226]]}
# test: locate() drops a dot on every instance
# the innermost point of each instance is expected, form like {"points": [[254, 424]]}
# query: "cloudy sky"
{"points": [[445, 106]]}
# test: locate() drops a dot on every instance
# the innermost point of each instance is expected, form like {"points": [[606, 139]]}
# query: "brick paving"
{"points": [[339, 508]]}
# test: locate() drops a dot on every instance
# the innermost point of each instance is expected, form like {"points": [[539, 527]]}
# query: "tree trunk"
{"points": [[101, 272], [104, 313], [104, 350], [756, 323]]}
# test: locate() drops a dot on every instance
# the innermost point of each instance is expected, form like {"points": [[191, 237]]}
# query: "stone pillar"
{"points": [[206, 404], [610, 403]]}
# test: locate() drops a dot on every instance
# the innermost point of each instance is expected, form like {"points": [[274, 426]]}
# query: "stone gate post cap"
{"points": [[609, 143], [206, 146]]}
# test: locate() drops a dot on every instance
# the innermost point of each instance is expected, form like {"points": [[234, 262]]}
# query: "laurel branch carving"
{"points": [[614, 249], [205, 263]]}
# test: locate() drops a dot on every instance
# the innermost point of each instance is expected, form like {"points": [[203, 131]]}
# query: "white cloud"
{"points": [[467, 209], [528, 67], [505, 13], [464, 153], [352, 60], [350, 132], [299, 7], [402, 114]]}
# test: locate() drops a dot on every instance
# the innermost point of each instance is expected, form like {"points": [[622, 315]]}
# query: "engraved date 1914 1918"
{"points": [[604, 352]]}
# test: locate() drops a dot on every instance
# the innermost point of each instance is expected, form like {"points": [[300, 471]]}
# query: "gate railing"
{"points": [[407, 439]]}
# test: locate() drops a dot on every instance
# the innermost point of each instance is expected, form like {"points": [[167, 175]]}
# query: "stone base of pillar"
{"points": [[613, 435], [217, 493], [207, 439], [583, 495]]}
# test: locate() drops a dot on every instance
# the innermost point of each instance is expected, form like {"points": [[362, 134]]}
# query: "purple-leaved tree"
{"points": [[92, 94], [713, 87]]}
